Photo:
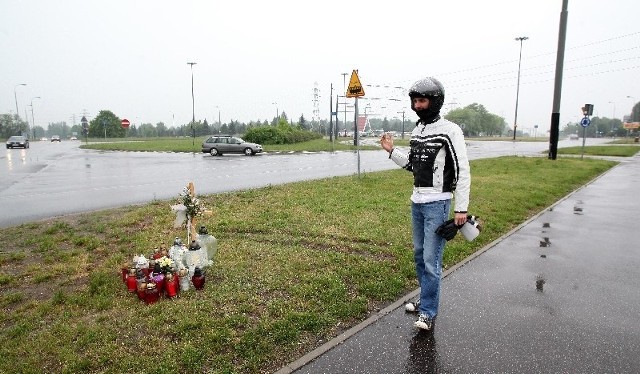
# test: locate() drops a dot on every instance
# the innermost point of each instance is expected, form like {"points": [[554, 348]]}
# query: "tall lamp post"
{"points": [[277, 113], [219, 123], [344, 92], [402, 123], [515, 121], [614, 109], [33, 119], [193, 106], [15, 96]]}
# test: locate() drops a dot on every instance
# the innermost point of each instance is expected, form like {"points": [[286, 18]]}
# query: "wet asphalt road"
{"points": [[53, 179], [559, 294]]}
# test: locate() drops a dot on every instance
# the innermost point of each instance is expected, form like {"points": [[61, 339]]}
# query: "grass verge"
{"points": [[602, 150], [194, 145], [297, 264]]}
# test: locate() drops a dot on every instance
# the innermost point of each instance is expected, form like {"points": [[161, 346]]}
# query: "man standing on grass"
{"points": [[438, 159]]}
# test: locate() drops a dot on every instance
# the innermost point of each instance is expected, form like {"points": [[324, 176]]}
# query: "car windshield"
{"points": [[16, 138]]}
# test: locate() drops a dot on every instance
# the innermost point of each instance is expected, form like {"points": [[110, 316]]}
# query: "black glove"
{"points": [[448, 230]]}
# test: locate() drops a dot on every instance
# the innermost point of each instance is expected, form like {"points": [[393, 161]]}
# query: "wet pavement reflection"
{"points": [[423, 354]]}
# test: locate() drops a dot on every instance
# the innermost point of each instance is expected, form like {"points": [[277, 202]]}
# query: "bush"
{"points": [[282, 134]]}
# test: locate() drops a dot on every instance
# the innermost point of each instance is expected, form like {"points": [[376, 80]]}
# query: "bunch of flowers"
{"points": [[193, 205], [166, 264]]}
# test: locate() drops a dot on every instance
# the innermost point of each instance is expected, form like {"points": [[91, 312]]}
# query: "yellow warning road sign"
{"points": [[355, 87]]}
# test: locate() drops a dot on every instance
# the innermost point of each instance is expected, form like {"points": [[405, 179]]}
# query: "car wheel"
{"points": [[248, 151], [214, 152]]}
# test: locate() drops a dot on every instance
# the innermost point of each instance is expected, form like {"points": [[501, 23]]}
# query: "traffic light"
{"points": [[587, 109], [85, 126]]}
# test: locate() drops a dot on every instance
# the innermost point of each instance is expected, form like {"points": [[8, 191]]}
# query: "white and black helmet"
{"points": [[429, 88]]}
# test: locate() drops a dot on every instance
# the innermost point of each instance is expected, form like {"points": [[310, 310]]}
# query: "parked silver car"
{"points": [[218, 145], [17, 141]]}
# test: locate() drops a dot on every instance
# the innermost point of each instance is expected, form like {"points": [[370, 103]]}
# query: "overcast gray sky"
{"points": [[257, 58]]}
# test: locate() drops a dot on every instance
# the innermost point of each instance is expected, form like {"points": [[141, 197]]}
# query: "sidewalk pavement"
{"points": [[559, 294]]}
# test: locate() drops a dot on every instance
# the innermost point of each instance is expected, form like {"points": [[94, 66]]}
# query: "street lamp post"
{"points": [[344, 92], [33, 119], [366, 118], [614, 108], [193, 106], [219, 123], [15, 96], [402, 124], [515, 121], [277, 113]]}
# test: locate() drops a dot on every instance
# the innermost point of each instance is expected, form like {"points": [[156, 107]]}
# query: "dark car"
{"points": [[55, 138], [18, 141], [220, 144]]}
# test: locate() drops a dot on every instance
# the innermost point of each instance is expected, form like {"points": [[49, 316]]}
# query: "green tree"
{"points": [[475, 120], [38, 131], [635, 113], [205, 129], [106, 124], [147, 130], [59, 128], [161, 129], [133, 131], [11, 125], [302, 122]]}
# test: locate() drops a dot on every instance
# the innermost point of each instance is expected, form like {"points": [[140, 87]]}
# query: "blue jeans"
{"points": [[428, 247]]}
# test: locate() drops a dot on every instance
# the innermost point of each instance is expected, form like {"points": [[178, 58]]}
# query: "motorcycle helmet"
{"points": [[448, 230], [433, 90], [470, 229]]}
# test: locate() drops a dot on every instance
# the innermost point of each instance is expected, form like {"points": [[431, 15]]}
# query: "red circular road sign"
{"points": [[125, 123]]}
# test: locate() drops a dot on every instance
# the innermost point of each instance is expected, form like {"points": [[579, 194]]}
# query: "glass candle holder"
{"points": [[132, 282], [170, 285], [198, 279], [151, 294]]}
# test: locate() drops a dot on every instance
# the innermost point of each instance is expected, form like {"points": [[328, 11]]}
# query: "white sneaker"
{"points": [[424, 322], [412, 307]]}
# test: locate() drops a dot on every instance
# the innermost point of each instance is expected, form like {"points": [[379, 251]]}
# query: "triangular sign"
{"points": [[355, 87]]}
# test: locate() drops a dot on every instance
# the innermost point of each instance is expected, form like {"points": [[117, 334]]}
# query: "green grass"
{"points": [[601, 150], [297, 264], [194, 145], [509, 138], [627, 140]]}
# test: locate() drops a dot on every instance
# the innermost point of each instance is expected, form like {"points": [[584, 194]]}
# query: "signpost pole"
{"points": [[585, 122], [355, 90], [584, 137]]}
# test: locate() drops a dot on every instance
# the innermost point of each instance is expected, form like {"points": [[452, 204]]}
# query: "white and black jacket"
{"points": [[439, 162]]}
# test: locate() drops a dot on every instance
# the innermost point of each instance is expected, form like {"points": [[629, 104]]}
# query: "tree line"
{"points": [[474, 119]]}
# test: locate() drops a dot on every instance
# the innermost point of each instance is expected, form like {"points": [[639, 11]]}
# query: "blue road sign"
{"points": [[585, 122]]}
